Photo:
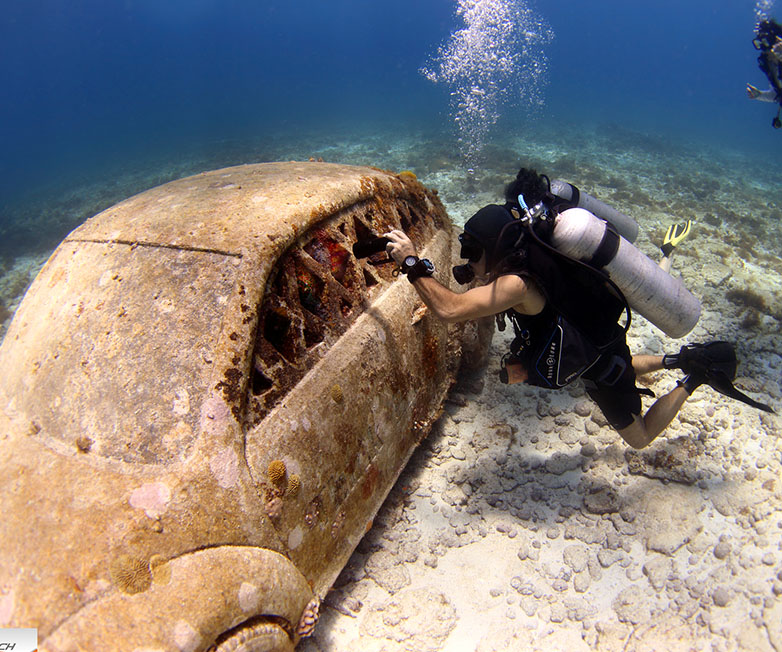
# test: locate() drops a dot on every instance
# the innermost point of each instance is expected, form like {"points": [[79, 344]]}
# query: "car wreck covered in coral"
{"points": [[206, 397]]}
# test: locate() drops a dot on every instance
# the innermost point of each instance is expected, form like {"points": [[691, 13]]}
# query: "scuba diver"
{"points": [[565, 312], [768, 41]]}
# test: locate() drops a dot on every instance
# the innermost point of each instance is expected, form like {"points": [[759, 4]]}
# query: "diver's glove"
{"points": [[675, 234]]}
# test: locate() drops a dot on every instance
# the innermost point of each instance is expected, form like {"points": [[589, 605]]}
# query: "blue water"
{"points": [[667, 66], [96, 90]]}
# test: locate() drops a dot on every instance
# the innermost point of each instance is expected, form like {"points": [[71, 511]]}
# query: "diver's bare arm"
{"points": [[505, 292]]}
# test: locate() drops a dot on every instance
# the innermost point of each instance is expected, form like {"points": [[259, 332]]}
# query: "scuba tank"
{"points": [[654, 293], [564, 343], [625, 226]]}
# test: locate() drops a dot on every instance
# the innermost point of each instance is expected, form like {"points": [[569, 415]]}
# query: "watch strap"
{"points": [[423, 267]]}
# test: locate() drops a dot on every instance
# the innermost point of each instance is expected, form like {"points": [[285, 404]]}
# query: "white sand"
{"points": [[525, 523]]}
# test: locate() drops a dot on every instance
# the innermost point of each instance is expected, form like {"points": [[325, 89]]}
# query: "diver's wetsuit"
{"points": [[773, 70], [611, 384], [769, 33], [587, 303]]}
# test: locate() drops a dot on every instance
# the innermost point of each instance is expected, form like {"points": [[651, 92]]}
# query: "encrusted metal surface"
{"points": [[206, 398], [318, 290]]}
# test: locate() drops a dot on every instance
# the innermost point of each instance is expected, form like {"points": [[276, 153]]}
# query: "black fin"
{"points": [[720, 382]]}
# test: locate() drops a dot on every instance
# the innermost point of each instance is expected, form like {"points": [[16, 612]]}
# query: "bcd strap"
{"points": [[607, 248], [576, 196]]}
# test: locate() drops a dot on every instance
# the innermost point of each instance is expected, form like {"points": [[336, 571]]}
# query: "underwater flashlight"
{"points": [[370, 247]]}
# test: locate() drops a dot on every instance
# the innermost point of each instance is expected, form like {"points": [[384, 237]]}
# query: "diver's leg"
{"points": [[645, 364], [620, 401], [644, 430]]}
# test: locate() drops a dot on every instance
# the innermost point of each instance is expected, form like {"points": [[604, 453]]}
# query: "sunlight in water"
{"points": [[495, 61]]}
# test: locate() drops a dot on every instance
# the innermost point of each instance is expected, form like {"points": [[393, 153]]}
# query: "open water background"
{"points": [[641, 103], [102, 98]]}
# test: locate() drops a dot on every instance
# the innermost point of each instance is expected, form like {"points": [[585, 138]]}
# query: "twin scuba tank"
{"points": [[602, 237]]}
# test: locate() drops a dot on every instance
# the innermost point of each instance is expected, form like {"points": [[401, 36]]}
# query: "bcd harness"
{"points": [[578, 324]]}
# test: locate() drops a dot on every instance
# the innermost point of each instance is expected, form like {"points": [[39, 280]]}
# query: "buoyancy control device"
{"points": [[588, 230]]}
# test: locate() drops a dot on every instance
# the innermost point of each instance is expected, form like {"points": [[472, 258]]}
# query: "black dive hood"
{"points": [[487, 229]]}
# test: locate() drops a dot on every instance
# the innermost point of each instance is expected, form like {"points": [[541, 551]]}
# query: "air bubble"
{"points": [[763, 9], [496, 61]]}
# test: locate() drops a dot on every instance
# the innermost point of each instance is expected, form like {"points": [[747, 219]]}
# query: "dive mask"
{"points": [[472, 251], [471, 248]]}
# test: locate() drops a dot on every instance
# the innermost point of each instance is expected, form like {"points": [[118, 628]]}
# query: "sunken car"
{"points": [[206, 398]]}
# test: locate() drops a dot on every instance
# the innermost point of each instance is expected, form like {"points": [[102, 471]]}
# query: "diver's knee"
{"points": [[635, 435]]}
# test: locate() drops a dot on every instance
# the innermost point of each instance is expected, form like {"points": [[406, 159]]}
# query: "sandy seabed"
{"points": [[524, 522]]}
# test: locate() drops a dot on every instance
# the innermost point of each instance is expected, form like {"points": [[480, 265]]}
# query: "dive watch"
{"points": [[415, 267]]}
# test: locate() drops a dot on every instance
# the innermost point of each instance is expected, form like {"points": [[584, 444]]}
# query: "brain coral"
{"points": [[277, 472], [130, 574], [336, 394]]}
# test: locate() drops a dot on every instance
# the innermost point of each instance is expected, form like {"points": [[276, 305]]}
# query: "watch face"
{"points": [[410, 261]]}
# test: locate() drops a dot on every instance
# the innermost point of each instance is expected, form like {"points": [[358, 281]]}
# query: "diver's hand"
{"points": [[752, 92], [400, 246]]}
